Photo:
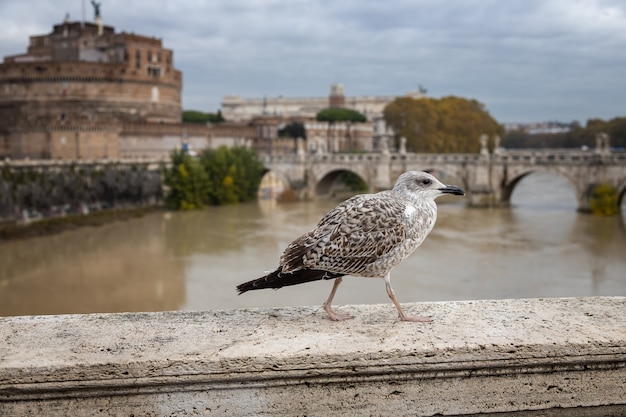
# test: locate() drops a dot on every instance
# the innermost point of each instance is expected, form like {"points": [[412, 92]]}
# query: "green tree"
{"points": [[414, 119], [332, 115], [604, 200], [293, 130], [352, 181], [195, 116], [234, 174], [515, 139], [617, 132], [585, 136], [449, 124], [188, 183]]}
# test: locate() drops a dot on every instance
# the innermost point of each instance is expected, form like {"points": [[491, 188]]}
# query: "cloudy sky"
{"points": [[526, 60]]}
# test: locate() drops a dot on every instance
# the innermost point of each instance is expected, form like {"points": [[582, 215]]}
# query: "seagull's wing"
{"points": [[353, 235]]}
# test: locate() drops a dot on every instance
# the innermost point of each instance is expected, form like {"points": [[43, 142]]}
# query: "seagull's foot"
{"points": [[335, 315], [415, 319]]}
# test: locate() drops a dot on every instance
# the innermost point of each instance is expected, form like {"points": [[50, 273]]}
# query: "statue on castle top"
{"points": [[96, 9]]}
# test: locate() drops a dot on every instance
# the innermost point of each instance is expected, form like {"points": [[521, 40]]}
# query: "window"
{"points": [[154, 71]]}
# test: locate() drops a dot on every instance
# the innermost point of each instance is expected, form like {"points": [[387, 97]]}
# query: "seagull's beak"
{"points": [[452, 189]]}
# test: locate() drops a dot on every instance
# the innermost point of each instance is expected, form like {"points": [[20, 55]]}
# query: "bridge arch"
{"points": [[273, 184], [326, 183], [621, 193], [508, 187]]}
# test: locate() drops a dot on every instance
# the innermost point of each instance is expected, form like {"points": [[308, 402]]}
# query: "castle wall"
{"points": [[84, 90], [5, 150], [29, 144], [63, 142], [157, 140]]}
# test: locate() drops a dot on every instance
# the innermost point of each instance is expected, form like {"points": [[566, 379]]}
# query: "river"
{"points": [[540, 247]]}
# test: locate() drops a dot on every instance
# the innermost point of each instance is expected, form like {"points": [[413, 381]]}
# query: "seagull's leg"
{"points": [[334, 315], [392, 295]]}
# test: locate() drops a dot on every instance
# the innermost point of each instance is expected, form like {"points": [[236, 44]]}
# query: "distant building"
{"points": [[539, 127], [86, 92], [237, 109], [84, 71], [321, 138]]}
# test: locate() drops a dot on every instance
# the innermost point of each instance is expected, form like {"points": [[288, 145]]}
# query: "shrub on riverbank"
{"points": [[234, 174], [603, 200], [219, 176], [188, 183]]}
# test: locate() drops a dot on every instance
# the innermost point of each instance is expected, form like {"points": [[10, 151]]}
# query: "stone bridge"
{"points": [[488, 178]]}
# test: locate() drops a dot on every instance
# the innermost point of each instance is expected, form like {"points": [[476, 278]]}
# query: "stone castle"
{"points": [[84, 91]]}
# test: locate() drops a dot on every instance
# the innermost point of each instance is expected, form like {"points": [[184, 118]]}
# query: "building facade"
{"points": [[372, 135], [237, 109], [84, 71], [84, 91]]}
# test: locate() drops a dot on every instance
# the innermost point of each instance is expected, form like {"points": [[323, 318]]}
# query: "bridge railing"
{"points": [[371, 157], [560, 156], [539, 156], [428, 158], [533, 357]]}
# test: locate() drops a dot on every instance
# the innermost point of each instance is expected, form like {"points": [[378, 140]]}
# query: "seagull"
{"points": [[365, 236]]}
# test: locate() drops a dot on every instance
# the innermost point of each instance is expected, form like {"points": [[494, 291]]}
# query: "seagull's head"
{"points": [[424, 186]]}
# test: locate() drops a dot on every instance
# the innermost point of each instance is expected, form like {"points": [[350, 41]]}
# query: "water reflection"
{"points": [[118, 267], [541, 247]]}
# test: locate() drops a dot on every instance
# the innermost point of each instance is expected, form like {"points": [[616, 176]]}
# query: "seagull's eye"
{"points": [[426, 181]]}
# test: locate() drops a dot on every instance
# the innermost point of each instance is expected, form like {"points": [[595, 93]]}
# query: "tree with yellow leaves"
{"points": [[445, 125]]}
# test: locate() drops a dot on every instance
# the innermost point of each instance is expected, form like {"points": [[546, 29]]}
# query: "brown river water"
{"points": [[540, 247]]}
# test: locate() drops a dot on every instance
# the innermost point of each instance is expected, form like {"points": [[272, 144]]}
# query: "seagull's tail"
{"points": [[278, 279]]}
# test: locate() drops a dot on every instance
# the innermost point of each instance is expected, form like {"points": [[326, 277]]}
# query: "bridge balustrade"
{"points": [[488, 177], [530, 357]]}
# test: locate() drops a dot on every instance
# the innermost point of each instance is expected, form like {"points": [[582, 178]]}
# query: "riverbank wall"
{"points": [[43, 189], [530, 357]]}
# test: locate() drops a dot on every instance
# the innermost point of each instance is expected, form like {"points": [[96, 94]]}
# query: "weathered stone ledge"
{"points": [[530, 357]]}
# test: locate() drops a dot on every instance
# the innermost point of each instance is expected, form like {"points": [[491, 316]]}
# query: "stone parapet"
{"points": [[531, 357]]}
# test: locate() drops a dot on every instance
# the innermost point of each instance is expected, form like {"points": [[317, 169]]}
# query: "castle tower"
{"points": [[82, 82], [87, 71]]}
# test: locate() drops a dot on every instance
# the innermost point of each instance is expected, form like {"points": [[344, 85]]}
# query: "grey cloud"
{"points": [[526, 60]]}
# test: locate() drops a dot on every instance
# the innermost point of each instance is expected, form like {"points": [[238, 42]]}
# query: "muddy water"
{"points": [[541, 247]]}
